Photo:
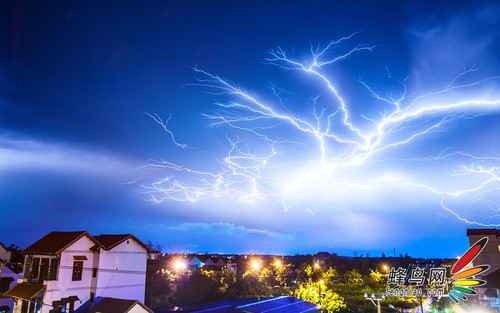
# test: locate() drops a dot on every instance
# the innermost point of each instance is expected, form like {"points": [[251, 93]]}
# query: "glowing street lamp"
{"points": [[278, 263], [179, 265], [256, 265]]}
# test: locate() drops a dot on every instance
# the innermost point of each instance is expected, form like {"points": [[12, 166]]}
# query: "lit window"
{"points": [[77, 270]]}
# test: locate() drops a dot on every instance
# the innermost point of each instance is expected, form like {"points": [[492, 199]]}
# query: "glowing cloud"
{"points": [[336, 151]]}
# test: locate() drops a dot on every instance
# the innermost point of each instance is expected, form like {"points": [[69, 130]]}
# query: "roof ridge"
{"points": [[77, 235]]}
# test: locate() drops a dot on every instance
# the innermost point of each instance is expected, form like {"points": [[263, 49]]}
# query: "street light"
{"points": [[278, 263], [255, 265], [375, 297], [179, 265]]}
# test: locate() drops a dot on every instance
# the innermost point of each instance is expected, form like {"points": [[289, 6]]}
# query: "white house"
{"points": [[121, 267], [4, 253], [65, 270], [194, 263], [8, 278]]}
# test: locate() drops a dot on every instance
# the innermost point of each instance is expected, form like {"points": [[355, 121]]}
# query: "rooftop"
{"points": [[25, 291], [483, 231], [55, 242], [114, 305]]}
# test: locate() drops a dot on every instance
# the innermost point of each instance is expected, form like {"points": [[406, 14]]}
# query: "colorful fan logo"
{"points": [[463, 279]]}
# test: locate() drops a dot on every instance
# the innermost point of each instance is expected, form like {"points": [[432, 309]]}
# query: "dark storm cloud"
{"points": [[56, 186]]}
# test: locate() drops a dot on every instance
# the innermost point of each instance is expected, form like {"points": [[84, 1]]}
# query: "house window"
{"points": [[44, 269], [54, 264], [94, 272], [77, 270], [35, 267], [92, 297]]}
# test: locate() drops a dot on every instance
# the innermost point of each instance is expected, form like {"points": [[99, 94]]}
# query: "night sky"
{"points": [[393, 147]]}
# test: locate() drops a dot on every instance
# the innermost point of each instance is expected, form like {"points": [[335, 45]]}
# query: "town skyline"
{"points": [[251, 127]]}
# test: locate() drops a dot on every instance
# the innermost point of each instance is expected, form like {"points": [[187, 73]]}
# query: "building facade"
{"points": [[489, 294], [64, 271], [491, 253]]}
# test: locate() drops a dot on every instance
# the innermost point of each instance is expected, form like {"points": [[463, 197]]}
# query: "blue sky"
{"points": [[250, 167]]}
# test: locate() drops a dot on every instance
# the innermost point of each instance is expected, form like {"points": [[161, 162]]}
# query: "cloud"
{"points": [[32, 154], [230, 229], [443, 47]]}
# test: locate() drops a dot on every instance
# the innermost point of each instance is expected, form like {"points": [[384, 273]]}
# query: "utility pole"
{"points": [[376, 297]]}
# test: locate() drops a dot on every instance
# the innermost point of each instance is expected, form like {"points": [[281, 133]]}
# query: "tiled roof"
{"points": [[55, 242], [113, 305], [108, 242], [322, 255], [24, 291], [203, 257], [483, 231], [3, 246]]}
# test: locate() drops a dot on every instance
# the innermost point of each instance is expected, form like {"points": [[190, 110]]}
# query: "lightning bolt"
{"points": [[334, 144]]}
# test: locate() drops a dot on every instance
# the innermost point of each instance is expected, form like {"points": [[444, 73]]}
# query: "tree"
{"points": [[155, 246], [197, 287], [319, 294], [354, 277], [304, 273], [250, 287], [331, 275], [377, 277]]}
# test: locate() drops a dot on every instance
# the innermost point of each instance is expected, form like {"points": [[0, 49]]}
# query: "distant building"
{"points": [[232, 266], [65, 270], [196, 262], [216, 263], [321, 257]]}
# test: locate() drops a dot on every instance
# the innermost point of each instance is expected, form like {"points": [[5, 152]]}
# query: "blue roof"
{"points": [[272, 305], [280, 304]]}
